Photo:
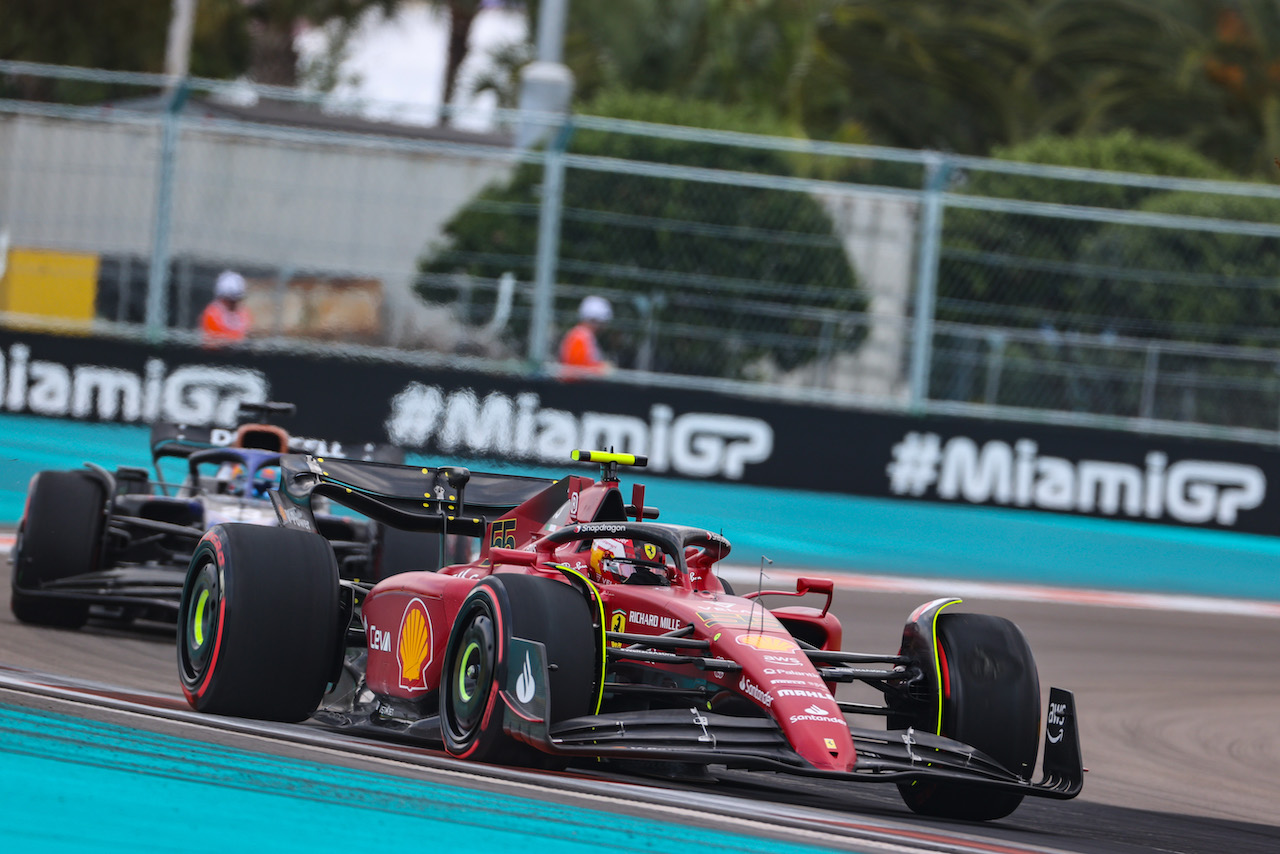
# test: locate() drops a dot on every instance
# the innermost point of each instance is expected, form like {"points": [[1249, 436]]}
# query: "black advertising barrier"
{"points": [[458, 415]]}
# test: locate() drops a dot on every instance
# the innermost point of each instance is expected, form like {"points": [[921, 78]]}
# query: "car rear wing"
{"points": [[169, 439], [445, 499], [181, 440]]}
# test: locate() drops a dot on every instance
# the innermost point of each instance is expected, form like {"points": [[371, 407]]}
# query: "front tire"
{"points": [[60, 537], [476, 660], [993, 704], [258, 625]]}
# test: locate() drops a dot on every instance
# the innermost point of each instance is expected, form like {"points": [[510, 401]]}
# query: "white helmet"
{"points": [[595, 308], [230, 285]]}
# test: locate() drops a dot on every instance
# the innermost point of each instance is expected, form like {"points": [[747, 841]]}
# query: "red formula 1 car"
{"points": [[586, 630]]}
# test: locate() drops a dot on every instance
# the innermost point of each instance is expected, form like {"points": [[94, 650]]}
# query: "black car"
{"points": [[116, 544]]}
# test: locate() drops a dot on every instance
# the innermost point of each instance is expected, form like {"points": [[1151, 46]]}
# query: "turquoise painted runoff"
{"points": [[817, 530], [70, 784]]}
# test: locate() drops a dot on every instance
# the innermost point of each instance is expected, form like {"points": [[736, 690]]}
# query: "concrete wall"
{"points": [[339, 204]]}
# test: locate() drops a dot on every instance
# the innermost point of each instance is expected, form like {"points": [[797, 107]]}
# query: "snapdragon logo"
{"points": [[1190, 491], [698, 444], [190, 394]]}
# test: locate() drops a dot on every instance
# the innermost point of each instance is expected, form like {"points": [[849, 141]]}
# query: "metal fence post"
{"points": [[937, 171], [548, 246], [158, 278]]}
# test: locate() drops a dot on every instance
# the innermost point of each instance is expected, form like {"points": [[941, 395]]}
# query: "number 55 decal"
{"points": [[503, 534]]}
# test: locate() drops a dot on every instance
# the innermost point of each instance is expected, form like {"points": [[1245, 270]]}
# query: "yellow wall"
{"points": [[49, 283]]}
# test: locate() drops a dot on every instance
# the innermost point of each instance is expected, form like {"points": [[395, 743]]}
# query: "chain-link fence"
{"points": [[848, 274]]}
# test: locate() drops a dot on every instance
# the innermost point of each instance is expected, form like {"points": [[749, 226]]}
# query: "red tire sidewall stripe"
{"points": [[217, 643], [500, 653], [203, 685]]}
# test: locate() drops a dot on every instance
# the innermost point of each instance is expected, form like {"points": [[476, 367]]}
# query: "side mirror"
{"points": [[821, 586], [516, 557]]}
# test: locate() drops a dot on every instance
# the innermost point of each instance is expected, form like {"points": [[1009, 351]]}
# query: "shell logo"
{"points": [[766, 643], [414, 647]]}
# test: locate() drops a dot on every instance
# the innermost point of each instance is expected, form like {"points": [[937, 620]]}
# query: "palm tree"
{"points": [[725, 51], [1231, 77], [966, 75]]}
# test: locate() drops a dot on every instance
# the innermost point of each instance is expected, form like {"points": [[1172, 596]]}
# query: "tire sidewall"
{"points": [[205, 558], [45, 549], [489, 597], [994, 706], [277, 642], [538, 609]]}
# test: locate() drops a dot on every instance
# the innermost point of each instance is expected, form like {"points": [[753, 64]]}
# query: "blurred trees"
{"points": [[704, 277], [117, 35], [232, 37], [954, 75], [1024, 270], [1080, 284]]}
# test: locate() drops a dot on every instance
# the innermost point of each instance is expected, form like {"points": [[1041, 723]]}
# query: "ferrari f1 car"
{"points": [[117, 544], [586, 630]]}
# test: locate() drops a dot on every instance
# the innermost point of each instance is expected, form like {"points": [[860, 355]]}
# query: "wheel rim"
{"points": [[200, 622], [471, 677]]}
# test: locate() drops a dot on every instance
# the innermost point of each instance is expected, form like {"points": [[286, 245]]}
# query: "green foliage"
{"points": [[711, 51], [1018, 269], [120, 35], [123, 35], [1062, 276], [1120, 151], [1233, 297], [722, 263], [131, 35]]}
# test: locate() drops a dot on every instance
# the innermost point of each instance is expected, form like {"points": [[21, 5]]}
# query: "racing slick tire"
{"points": [[258, 624], [476, 660], [991, 701], [60, 536]]}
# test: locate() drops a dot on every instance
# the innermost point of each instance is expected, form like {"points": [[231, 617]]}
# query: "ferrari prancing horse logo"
{"points": [[617, 623]]}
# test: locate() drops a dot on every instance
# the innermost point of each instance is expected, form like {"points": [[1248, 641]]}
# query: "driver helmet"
{"points": [[608, 562], [267, 479], [614, 561]]}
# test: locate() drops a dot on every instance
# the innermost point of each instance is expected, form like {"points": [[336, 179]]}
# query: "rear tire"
{"points": [[60, 537], [993, 705], [476, 660], [258, 625]]}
